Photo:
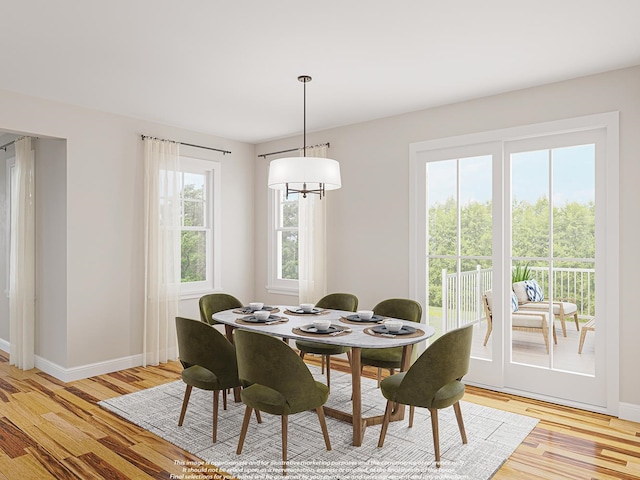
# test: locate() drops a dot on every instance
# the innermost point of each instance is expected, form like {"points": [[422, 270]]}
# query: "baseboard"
{"points": [[84, 371], [629, 411]]}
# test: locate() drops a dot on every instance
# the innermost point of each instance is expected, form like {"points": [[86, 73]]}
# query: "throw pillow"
{"points": [[514, 302], [534, 291], [521, 292]]}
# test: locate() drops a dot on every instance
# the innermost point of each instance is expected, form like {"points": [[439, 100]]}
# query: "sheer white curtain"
{"points": [[162, 184], [312, 251], [22, 261]]}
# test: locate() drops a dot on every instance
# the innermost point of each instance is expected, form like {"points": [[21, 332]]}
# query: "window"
{"points": [[283, 243], [200, 214]]}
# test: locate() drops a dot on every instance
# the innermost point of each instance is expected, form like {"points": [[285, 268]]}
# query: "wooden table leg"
{"points": [[356, 393]]}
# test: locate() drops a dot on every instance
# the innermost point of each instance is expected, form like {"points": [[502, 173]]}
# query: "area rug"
{"points": [[407, 453]]}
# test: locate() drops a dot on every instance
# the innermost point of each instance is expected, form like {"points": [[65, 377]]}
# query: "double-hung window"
{"points": [[200, 232], [283, 243]]}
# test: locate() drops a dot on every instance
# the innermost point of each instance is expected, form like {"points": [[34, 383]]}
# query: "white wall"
{"points": [[104, 222], [4, 225], [368, 224], [51, 249]]}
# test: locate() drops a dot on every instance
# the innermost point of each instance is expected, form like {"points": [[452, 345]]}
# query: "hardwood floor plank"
{"points": [[13, 441], [50, 463], [49, 429]]}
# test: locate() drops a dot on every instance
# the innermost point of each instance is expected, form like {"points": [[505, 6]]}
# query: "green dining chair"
{"points": [[333, 301], [434, 381], [214, 303], [277, 381], [210, 364], [391, 358]]}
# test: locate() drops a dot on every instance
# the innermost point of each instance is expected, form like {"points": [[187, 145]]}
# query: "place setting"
{"points": [[256, 306], [391, 328], [261, 317], [362, 316], [306, 309], [321, 327]]}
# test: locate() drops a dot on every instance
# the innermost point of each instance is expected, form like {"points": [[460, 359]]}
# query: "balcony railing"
{"points": [[462, 293]]}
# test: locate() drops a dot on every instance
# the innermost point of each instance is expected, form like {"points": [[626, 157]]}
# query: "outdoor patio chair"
{"points": [[532, 321], [562, 307]]}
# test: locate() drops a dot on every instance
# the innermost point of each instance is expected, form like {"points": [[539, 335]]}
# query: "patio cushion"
{"points": [[514, 301], [568, 308], [528, 321]]}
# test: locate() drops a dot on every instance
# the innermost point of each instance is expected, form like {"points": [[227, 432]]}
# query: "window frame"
{"points": [[274, 283], [212, 215]]}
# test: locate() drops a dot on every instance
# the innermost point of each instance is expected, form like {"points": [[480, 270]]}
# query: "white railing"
{"points": [[462, 293], [462, 297]]}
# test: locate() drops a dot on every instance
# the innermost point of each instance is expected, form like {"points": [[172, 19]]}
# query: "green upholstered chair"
{"points": [[210, 363], [391, 358], [279, 383], [214, 303], [433, 382], [333, 301]]}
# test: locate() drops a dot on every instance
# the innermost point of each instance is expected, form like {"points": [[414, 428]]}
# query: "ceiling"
{"points": [[230, 68]]}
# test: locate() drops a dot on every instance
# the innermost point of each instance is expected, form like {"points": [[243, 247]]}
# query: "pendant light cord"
{"points": [[304, 117]]}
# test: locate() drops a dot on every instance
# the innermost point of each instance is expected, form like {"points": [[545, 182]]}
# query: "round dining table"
{"points": [[289, 322]]}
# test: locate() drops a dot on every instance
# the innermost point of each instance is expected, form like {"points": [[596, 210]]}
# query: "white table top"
{"points": [[357, 337]]}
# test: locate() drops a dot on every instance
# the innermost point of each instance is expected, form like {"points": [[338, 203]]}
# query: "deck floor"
{"points": [[529, 348]]}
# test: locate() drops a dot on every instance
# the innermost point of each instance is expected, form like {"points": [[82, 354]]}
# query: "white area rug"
{"points": [[407, 453]]}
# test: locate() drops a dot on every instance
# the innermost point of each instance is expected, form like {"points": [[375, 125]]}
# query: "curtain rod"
{"points": [[265, 155], [224, 152], [4, 147]]}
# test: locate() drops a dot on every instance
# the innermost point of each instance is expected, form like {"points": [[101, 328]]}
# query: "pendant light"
{"points": [[304, 174]]}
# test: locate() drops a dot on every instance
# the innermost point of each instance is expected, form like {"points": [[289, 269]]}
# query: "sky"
{"points": [[573, 176]]}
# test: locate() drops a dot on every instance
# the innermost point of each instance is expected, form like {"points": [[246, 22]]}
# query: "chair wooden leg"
{"points": [[301, 354], [379, 376], [224, 399], [185, 402], [411, 411], [463, 434], [258, 416], [436, 435], [564, 326], [349, 357], [575, 317], [216, 401], [243, 431], [385, 423], [285, 419], [489, 328], [545, 334], [328, 371], [323, 426]]}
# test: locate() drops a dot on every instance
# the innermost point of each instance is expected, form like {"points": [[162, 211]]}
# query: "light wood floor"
{"points": [[53, 430]]}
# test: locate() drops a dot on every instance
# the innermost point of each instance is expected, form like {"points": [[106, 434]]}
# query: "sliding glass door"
{"points": [[512, 235]]}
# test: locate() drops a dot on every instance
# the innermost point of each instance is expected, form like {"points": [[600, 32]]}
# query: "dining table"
{"points": [[348, 330]]}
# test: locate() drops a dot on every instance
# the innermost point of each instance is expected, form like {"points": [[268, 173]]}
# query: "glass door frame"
{"points": [[492, 373]]}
